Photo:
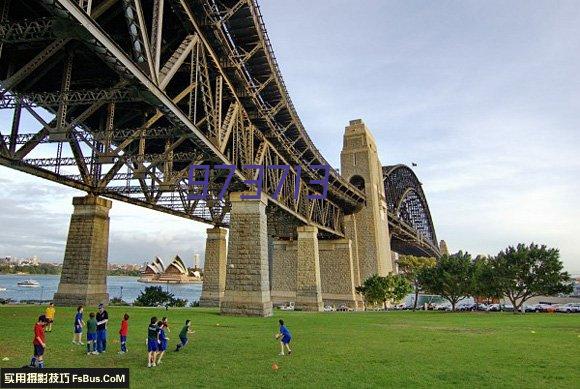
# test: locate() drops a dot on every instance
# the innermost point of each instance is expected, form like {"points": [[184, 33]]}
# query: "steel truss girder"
{"points": [[339, 187], [27, 30], [70, 97], [222, 129], [299, 212], [254, 130]]}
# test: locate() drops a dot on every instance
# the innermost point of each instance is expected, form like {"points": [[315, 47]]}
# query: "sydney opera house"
{"points": [[174, 273]]}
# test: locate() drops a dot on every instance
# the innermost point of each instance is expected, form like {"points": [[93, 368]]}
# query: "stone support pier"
{"points": [[284, 264], [338, 271], [308, 289], [214, 270], [84, 272], [247, 290]]}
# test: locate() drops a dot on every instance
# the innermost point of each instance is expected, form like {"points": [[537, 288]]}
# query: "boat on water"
{"points": [[29, 284], [2, 289]]}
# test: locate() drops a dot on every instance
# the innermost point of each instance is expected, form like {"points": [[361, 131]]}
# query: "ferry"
{"points": [[29, 284]]}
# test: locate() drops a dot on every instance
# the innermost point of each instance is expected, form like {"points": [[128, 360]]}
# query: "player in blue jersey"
{"points": [[285, 337], [162, 340]]}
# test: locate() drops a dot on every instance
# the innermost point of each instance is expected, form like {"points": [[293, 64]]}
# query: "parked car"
{"points": [[344, 308], [568, 308], [493, 308], [329, 308], [481, 307], [507, 308], [442, 307], [531, 308], [546, 307], [466, 307]]}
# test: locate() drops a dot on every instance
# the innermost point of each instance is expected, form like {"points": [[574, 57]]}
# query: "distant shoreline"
{"points": [[58, 275]]}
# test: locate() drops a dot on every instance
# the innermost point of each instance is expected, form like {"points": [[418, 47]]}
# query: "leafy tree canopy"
{"points": [[451, 277], [377, 289], [154, 296], [524, 271], [410, 266]]}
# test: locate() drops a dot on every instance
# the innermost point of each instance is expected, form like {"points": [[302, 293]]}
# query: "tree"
{"points": [[373, 289], [377, 289], [399, 287], [451, 277], [484, 281], [525, 271], [410, 266], [154, 296]]}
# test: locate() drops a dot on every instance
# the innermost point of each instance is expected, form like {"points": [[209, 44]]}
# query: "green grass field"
{"points": [[374, 349]]}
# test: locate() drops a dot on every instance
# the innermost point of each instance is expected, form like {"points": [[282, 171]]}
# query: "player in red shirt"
{"points": [[123, 332], [38, 342]]}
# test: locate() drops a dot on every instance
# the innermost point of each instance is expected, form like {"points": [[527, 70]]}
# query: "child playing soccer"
{"points": [[92, 334], [37, 359], [285, 337], [123, 333], [78, 326], [152, 341], [49, 314], [162, 340], [183, 335]]}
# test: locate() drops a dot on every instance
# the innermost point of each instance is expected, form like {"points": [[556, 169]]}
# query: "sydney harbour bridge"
{"points": [[118, 98]]}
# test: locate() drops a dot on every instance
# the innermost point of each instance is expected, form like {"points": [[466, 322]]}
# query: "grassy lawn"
{"points": [[374, 349]]}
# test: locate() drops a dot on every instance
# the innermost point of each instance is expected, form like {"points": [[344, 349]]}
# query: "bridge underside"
{"points": [[119, 97]]}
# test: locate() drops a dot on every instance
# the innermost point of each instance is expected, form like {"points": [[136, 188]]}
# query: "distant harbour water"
{"points": [[118, 286]]}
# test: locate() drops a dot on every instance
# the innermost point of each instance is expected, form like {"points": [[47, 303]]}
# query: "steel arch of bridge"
{"points": [[410, 221], [138, 89], [149, 86]]}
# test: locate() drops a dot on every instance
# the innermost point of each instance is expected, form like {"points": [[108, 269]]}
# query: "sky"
{"points": [[483, 96]]}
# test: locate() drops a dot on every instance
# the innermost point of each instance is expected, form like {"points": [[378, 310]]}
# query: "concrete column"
{"points": [[247, 289], [308, 291], [84, 271], [214, 269]]}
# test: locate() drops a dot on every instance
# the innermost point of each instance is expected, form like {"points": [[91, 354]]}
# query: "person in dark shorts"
{"points": [[162, 340], [183, 335], [285, 337], [78, 326], [92, 334], [152, 342], [38, 342]]}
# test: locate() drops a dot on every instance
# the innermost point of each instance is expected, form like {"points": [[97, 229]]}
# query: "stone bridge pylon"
{"points": [[272, 258]]}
